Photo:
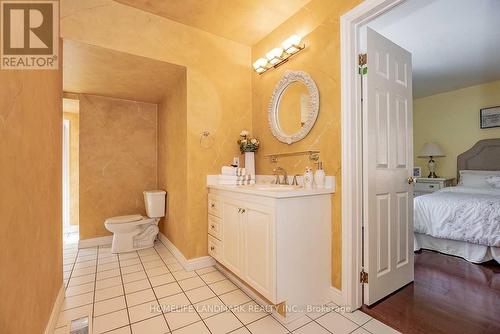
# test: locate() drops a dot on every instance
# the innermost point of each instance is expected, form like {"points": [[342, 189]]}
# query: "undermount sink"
{"points": [[273, 187]]}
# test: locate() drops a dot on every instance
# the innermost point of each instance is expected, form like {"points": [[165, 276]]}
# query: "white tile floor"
{"points": [[148, 292]]}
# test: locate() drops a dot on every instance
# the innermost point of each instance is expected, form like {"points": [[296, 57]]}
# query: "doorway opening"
{"points": [[446, 104], [70, 174]]}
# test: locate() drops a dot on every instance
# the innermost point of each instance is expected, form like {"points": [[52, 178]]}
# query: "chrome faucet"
{"points": [[280, 170]]}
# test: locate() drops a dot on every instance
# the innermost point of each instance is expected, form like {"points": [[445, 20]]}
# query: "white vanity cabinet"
{"points": [[278, 245], [245, 241]]}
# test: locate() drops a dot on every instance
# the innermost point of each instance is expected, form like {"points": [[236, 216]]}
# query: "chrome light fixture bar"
{"points": [[277, 56]]}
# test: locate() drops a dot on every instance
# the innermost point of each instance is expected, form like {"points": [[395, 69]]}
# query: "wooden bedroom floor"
{"points": [[449, 295]]}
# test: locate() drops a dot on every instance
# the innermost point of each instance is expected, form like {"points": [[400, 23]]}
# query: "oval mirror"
{"points": [[294, 107]]}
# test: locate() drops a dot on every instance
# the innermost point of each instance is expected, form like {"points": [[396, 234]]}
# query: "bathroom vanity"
{"points": [[276, 239]]}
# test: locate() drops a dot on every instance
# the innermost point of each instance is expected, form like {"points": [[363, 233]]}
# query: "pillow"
{"points": [[493, 181], [476, 178]]}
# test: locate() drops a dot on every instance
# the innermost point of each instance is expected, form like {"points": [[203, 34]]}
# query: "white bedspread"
{"points": [[460, 213]]}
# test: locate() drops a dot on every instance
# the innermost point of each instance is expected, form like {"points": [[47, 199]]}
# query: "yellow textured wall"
{"points": [[219, 97], [74, 182], [172, 163], [30, 198], [319, 23], [451, 119], [117, 160]]}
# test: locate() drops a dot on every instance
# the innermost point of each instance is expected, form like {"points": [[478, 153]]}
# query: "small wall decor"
{"points": [[490, 117]]}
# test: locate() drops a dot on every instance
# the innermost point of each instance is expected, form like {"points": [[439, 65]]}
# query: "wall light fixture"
{"points": [[279, 55]]}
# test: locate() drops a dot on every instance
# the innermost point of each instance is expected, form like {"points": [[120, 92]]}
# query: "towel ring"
{"points": [[206, 140]]}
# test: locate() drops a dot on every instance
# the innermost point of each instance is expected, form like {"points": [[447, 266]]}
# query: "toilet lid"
{"points": [[123, 219]]}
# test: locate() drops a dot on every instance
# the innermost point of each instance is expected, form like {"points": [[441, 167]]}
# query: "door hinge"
{"points": [[362, 59], [363, 277]]}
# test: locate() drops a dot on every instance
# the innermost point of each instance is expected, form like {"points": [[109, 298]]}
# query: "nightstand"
{"points": [[424, 185]]}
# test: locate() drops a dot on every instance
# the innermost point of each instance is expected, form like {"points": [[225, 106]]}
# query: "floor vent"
{"points": [[80, 326]]}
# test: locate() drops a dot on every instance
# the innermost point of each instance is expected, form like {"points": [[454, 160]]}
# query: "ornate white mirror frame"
{"points": [[288, 78]]}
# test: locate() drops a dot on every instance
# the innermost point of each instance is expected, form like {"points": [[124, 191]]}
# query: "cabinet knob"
{"points": [[212, 248], [212, 226], [212, 205]]}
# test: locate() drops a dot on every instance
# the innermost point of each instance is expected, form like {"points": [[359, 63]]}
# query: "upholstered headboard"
{"points": [[484, 155]]}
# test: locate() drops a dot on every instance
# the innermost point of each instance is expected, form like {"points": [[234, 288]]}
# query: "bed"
{"points": [[464, 220]]}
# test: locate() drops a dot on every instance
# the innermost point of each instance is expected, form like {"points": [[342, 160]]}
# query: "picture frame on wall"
{"points": [[417, 172], [489, 117]]}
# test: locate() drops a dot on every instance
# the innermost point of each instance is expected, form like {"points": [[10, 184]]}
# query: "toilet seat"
{"points": [[131, 232], [127, 223], [123, 219]]}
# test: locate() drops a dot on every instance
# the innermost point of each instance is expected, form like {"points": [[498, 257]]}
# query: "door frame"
{"points": [[351, 141], [66, 173]]}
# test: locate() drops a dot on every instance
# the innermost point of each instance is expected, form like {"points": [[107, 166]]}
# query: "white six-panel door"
{"points": [[387, 165]]}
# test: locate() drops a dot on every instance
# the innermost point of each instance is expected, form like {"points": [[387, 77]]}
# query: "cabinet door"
{"points": [[258, 249], [232, 213], [214, 248]]}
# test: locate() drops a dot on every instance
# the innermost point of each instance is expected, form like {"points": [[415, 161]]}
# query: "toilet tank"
{"points": [[155, 203]]}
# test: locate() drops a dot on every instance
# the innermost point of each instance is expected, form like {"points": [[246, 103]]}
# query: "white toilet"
{"points": [[135, 232]]}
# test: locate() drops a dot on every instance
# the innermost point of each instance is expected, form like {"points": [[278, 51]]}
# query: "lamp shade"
{"points": [[274, 56], [291, 44], [431, 150]]}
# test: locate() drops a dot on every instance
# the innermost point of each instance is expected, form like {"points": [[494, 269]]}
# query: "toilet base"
{"points": [[140, 238], [132, 250]]}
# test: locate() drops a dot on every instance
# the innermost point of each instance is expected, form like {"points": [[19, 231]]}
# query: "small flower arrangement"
{"points": [[247, 143]]}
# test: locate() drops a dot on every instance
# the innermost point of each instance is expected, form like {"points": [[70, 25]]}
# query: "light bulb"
{"points": [[292, 44], [274, 56], [260, 65]]}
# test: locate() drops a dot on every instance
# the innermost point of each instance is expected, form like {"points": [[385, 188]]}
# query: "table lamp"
{"points": [[431, 150]]}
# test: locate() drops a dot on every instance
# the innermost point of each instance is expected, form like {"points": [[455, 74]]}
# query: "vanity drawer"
{"points": [[215, 227], [426, 186], [214, 206], [214, 247]]}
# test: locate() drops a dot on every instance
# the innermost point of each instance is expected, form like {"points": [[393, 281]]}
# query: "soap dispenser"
{"points": [[319, 176], [308, 178]]}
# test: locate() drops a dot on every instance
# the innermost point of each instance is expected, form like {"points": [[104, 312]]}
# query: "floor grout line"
{"points": [[184, 292], [218, 297], [164, 259], [95, 283], [123, 289], [229, 308], [251, 299], [71, 274], [154, 292]]}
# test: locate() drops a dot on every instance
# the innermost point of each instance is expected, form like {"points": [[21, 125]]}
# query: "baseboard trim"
{"points": [[233, 278], [93, 242], [51, 324], [258, 298], [337, 296], [188, 265]]}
